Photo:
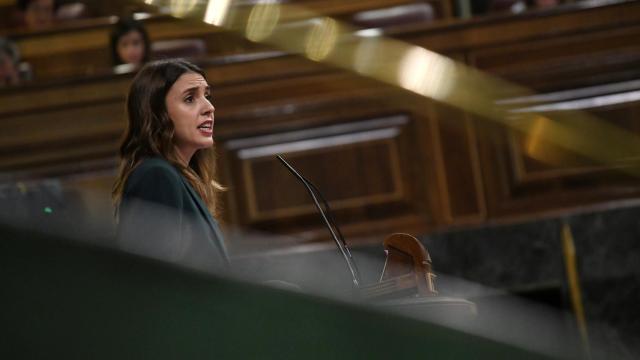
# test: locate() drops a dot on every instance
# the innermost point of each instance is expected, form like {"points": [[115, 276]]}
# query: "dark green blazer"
{"points": [[163, 217]]}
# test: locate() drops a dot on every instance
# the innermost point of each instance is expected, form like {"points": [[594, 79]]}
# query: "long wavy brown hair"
{"points": [[150, 132]]}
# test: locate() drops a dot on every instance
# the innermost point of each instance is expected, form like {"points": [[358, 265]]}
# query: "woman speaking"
{"points": [[165, 192]]}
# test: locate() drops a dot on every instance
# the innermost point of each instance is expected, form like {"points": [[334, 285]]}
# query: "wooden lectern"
{"points": [[407, 283], [407, 270]]}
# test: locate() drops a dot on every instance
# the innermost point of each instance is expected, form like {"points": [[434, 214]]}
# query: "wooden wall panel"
{"points": [[525, 173], [361, 166], [458, 166], [560, 63], [539, 160], [341, 169]]}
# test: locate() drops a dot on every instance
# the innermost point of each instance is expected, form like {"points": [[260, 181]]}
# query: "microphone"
{"points": [[328, 219]]}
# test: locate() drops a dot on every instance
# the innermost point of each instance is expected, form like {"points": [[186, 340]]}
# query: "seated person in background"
{"points": [[9, 60], [129, 43], [37, 14]]}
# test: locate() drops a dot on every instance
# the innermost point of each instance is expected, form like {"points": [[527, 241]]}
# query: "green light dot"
{"points": [[48, 210]]}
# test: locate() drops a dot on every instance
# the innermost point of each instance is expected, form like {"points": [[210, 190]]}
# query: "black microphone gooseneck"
{"points": [[328, 220]]}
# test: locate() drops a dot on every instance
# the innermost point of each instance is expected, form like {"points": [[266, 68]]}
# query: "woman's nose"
{"points": [[208, 107]]}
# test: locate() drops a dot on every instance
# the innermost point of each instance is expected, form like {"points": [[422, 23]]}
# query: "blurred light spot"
{"points": [[217, 11], [124, 68], [365, 58], [322, 39], [536, 135], [141, 15], [420, 12], [426, 73], [180, 8], [378, 58], [48, 210], [368, 33], [584, 104], [548, 140], [262, 20]]}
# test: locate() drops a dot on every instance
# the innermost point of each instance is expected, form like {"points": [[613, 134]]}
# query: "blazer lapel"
{"points": [[213, 224]]}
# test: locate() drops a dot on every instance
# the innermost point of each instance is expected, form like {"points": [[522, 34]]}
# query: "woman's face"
{"points": [[130, 48], [189, 107]]}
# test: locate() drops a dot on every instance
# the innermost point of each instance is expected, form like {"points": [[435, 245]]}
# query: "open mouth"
{"points": [[206, 127]]}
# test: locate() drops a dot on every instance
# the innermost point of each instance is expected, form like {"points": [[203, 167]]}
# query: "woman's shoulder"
{"points": [[155, 162], [154, 170], [155, 166]]}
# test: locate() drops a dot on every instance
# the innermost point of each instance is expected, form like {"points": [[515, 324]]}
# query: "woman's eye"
{"points": [[188, 99], [208, 97]]}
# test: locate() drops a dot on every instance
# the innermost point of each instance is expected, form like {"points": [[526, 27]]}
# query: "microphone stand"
{"points": [[328, 219]]}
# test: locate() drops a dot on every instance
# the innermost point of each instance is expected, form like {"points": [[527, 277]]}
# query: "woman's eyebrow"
{"points": [[195, 88], [190, 90]]}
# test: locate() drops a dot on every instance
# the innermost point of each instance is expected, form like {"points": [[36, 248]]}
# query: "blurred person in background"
{"points": [[37, 14], [129, 43], [167, 160]]}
